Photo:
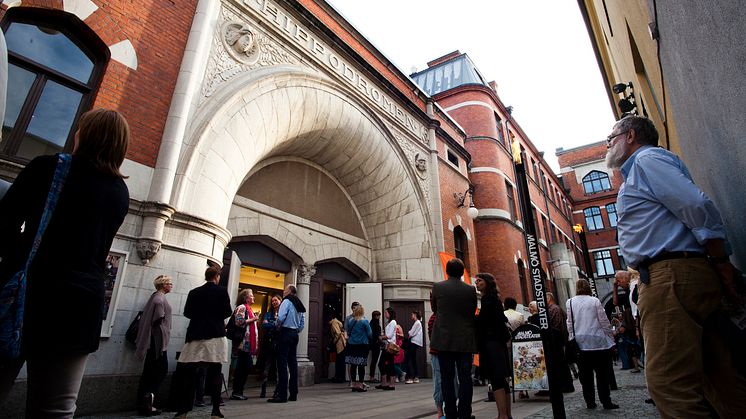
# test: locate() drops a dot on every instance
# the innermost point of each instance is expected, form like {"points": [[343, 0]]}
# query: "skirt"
{"points": [[208, 350], [357, 354]]}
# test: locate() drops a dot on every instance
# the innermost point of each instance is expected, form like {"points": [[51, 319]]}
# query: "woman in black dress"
{"points": [[375, 344], [492, 339]]}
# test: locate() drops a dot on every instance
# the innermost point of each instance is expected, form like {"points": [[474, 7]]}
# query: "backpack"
{"points": [[233, 332]]}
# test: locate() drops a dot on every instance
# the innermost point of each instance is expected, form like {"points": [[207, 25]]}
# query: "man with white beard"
{"points": [[673, 235]]}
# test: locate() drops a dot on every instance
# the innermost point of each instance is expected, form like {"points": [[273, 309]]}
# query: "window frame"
{"points": [[85, 39], [603, 256], [593, 217], [608, 215], [588, 179], [511, 200]]}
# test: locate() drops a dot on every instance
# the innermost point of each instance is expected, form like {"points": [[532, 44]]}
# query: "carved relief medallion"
{"points": [[241, 42]]}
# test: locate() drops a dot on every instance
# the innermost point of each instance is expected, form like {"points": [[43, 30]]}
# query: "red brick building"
{"points": [[593, 189]]}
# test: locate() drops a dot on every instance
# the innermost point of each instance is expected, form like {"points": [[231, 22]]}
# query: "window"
{"points": [[522, 281], [611, 212], [452, 158], [546, 228], [536, 170], [595, 182], [55, 64], [604, 265], [622, 263], [460, 244], [554, 235], [593, 218], [511, 199], [499, 126]]}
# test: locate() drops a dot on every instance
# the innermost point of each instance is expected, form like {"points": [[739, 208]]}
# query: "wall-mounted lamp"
{"points": [[578, 228], [472, 212], [627, 104]]}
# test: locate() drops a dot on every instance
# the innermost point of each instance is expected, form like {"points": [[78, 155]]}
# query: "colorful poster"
{"points": [[116, 262], [529, 362]]}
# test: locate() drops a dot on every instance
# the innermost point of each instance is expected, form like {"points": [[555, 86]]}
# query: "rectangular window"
{"points": [[511, 199], [536, 170], [499, 126], [604, 265], [452, 158], [611, 212], [593, 218], [554, 235], [546, 228], [543, 182]]}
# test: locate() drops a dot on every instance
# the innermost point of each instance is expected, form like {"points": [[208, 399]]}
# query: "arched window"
{"points": [[55, 65], [593, 218], [461, 245], [595, 182]]}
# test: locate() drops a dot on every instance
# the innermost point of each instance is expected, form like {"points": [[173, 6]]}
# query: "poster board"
{"points": [[529, 362], [116, 262]]}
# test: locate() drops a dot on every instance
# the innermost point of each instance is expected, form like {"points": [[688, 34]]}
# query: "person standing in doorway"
{"points": [[414, 349], [358, 345], [290, 322], [268, 349], [455, 303], [337, 344], [375, 344], [245, 320]]}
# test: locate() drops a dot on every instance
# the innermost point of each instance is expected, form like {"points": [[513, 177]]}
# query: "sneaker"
{"points": [[408, 382], [416, 380], [238, 397], [365, 385]]}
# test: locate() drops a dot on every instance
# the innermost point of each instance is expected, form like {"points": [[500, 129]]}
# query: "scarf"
{"points": [[299, 307]]}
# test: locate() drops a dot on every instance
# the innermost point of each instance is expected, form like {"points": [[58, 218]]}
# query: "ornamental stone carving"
{"points": [[305, 272], [240, 42], [419, 157], [147, 249]]}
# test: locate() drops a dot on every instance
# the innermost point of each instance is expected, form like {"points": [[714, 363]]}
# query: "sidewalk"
{"points": [[415, 401]]}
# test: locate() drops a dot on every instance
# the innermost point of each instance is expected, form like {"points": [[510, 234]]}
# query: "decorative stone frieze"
{"points": [[305, 272]]}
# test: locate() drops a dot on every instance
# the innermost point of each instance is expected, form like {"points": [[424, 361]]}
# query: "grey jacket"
{"points": [[455, 304]]}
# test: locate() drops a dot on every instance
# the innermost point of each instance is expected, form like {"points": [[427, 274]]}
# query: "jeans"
{"points": [[153, 372], [244, 362], [287, 362], [437, 393], [688, 362], [454, 364]]}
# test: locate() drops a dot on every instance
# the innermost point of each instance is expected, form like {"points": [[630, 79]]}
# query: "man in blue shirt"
{"points": [[673, 234], [290, 321]]}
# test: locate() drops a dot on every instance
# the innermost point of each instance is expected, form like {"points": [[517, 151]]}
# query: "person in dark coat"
{"points": [[492, 339], [455, 303], [206, 307], [375, 344], [66, 279]]}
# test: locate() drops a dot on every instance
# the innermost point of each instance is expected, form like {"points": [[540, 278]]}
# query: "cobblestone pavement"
{"points": [[630, 397], [415, 401]]}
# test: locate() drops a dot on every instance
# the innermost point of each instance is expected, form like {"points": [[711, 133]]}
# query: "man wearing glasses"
{"points": [[673, 234]]}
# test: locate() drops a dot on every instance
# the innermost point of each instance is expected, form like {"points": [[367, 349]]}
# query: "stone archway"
{"points": [[283, 111]]}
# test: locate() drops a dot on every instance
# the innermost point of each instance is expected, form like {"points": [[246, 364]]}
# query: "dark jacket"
{"points": [[375, 327], [65, 294], [207, 307], [491, 322], [455, 304]]}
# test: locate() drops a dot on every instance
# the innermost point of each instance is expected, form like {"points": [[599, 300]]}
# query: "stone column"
{"points": [[303, 274]]}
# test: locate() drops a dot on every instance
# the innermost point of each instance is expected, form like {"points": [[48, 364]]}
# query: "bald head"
{"points": [[532, 307]]}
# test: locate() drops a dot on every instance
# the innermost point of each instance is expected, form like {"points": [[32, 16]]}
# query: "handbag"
{"points": [[232, 331], [393, 348], [131, 334], [13, 293], [572, 350]]}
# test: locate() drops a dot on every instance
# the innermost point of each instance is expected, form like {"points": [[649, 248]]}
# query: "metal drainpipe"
{"points": [[157, 209]]}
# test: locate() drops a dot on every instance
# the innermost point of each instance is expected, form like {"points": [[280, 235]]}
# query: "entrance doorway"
{"points": [[404, 311]]}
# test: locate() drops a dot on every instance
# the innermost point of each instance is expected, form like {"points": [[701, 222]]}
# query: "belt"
{"points": [[643, 266]]}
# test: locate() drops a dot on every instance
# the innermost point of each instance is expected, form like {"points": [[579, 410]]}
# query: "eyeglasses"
{"points": [[610, 138]]}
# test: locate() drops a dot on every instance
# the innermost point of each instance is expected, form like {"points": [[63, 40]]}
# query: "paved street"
{"points": [[415, 401]]}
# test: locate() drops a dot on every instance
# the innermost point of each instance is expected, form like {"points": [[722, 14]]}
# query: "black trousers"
{"points": [[184, 380], [411, 361], [244, 362], [339, 366], [375, 351], [597, 362], [153, 373], [451, 364], [287, 363]]}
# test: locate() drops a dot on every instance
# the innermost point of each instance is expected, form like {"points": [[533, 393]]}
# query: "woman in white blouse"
{"points": [[588, 325], [412, 355], [388, 375]]}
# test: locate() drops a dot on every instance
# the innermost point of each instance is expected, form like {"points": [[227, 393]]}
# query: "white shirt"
{"points": [[415, 333], [391, 331], [592, 328]]}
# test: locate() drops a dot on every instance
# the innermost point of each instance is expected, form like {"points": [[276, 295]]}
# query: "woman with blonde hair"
{"points": [[66, 262], [358, 344], [153, 335]]}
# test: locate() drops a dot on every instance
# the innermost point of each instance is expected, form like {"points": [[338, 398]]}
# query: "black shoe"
{"points": [[273, 400], [293, 398], [380, 386], [611, 406], [650, 401], [591, 405], [148, 404], [238, 397], [389, 388]]}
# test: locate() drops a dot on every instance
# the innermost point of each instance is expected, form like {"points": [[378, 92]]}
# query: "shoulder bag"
{"points": [[572, 350], [134, 328], [13, 294]]}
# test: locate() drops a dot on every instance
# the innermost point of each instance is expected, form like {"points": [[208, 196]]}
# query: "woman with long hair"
{"points": [[588, 325], [68, 269], [388, 374], [492, 338], [358, 343], [269, 343], [375, 344], [246, 348]]}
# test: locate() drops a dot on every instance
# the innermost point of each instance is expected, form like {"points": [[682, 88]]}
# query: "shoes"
{"points": [[650, 401], [523, 395], [591, 405], [374, 381], [635, 371], [389, 388], [358, 390], [542, 393], [611, 406], [409, 382], [293, 398], [273, 400], [148, 404], [238, 397], [200, 403], [216, 415], [416, 380], [380, 386]]}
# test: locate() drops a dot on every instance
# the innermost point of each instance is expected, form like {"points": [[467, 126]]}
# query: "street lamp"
{"points": [[472, 212], [539, 285], [578, 228]]}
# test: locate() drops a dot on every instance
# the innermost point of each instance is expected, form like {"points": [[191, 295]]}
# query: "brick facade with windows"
{"points": [[593, 189]]}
